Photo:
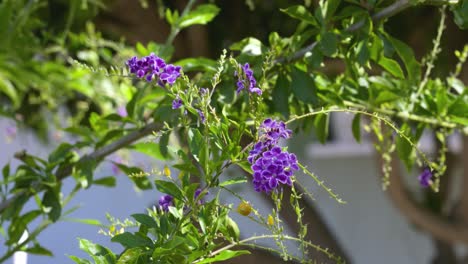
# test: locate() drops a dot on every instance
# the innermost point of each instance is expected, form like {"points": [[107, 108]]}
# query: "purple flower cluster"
{"points": [[165, 201], [271, 165], [152, 66], [176, 103], [425, 177], [245, 78]]}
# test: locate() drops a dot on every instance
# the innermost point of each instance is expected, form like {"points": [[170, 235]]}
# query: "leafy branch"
{"points": [[98, 154]]}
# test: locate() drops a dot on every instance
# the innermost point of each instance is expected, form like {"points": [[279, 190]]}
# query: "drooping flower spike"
{"points": [[153, 67], [245, 78], [271, 165]]}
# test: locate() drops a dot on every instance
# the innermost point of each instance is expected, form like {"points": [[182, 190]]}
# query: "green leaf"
{"points": [[303, 86], [301, 13], [460, 120], [460, 12], [331, 6], [79, 260], [51, 204], [321, 124], [7, 88], [391, 66], [224, 255], [386, 96], [169, 188], [151, 149], [39, 250], [130, 240], [197, 64], [245, 166], [456, 84], [6, 172], [281, 94], [83, 172], [146, 220], [60, 152], [413, 68], [108, 181], [329, 44], [232, 228], [442, 102], [92, 222], [459, 107], [201, 15], [100, 254], [237, 180], [19, 225], [130, 256], [362, 52], [250, 46], [110, 135], [177, 213], [356, 127], [197, 145]]}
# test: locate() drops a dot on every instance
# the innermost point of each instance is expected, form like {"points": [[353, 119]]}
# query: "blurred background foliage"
{"points": [[44, 45]]}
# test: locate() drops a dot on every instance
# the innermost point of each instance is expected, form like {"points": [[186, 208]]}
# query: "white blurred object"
{"points": [[21, 257]]}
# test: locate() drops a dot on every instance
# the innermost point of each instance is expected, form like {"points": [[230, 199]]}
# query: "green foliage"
{"points": [[43, 71]]}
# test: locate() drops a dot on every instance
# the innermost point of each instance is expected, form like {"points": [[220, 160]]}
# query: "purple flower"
{"points": [[270, 164], [202, 116], [197, 193], [10, 131], [115, 169], [122, 111], [203, 91], [151, 67], [165, 201], [245, 78], [176, 103], [425, 178]]}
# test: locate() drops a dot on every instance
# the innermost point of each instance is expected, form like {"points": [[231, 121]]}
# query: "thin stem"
{"points": [[403, 115], [431, 58], [321, 184], [244, 241], [175, 29], [372, 115]]}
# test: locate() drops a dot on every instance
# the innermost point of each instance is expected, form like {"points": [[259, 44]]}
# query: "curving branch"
{"points": [[387, 12], [435, 225], [98, 154]]}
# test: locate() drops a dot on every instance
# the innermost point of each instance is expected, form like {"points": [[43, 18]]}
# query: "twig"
{"points": [[96, 155], [387, 12]]}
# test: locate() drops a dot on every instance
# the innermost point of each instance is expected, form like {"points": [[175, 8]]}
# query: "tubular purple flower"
{"points": [[176, 103], [245, 78], [202, 116], [425, 178], [165, 201], [122, 111]]}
